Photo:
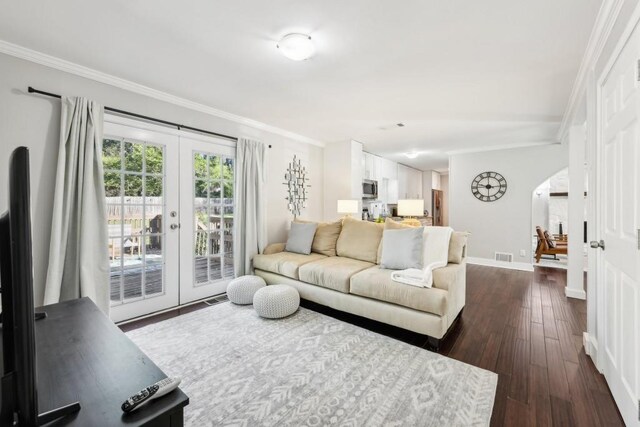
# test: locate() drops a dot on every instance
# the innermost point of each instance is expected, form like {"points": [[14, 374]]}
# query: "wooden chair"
{"points": [[557, 247]]}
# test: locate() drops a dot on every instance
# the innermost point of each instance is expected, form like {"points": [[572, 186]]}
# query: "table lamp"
{"points": [[347, 207], [409, 209]]}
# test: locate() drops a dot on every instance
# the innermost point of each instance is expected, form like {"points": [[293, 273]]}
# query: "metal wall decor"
{"points": [[296, 180]]}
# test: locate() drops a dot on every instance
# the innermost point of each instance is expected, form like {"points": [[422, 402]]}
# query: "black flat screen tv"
{"points": [[19, 404]]}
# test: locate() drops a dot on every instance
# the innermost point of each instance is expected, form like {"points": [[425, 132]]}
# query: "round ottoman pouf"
{"points": [[276, 301], [241, 289]]}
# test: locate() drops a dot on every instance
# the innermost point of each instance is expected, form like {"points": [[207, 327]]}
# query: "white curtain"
{"points": [[250, 234], [78, 252]]}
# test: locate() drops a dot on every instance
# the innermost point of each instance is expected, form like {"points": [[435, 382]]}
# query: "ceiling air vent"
{"points": [[504, 256]]}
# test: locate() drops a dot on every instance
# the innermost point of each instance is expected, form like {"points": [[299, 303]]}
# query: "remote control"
{"points": [[154, 391]]}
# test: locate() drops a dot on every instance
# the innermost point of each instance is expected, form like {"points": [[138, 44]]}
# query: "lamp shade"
{"points": [[413, 207], [347, 206]]}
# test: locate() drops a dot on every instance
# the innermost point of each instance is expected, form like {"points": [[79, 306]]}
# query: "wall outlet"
{"points": [[523, 252]]}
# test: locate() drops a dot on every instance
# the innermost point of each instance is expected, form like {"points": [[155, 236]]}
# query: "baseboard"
{"points": [[575, 293], [487, 262], [591, 348]]}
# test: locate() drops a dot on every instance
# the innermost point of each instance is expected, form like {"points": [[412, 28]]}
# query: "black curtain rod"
{"points": [[140, 116]]}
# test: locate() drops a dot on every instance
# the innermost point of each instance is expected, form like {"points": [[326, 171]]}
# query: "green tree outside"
{"points": [[213, 174]]}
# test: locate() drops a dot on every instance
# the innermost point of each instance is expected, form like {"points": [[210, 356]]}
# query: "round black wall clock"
{"points": [[489, 186]]}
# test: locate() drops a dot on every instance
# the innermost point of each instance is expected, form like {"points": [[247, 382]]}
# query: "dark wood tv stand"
{"points": [[82, 356]]}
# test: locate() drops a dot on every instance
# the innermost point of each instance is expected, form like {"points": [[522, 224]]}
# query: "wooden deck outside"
{"points": [[132, 278]]}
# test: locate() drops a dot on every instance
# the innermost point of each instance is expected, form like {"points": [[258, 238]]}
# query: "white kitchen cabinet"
{"points": [[416, 178], [409, 183], [369, 172], [392, 192], [389, 169], [403, 181], [378, 168]]}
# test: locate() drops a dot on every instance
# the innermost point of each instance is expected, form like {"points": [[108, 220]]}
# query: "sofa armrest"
{"points": [[458, 247], [452, 278], [274, 248]]}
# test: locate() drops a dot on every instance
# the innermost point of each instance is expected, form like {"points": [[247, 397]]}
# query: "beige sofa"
{"points": [[342, 272]]}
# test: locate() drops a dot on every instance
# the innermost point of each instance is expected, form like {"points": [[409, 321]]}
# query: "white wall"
{"points": [[343, 172], [444, 186], [559, 205], [503, 225], [540, 207], [33, 121], [431, 180], [427, 186]]}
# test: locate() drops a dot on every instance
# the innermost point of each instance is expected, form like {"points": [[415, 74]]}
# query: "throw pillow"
{"points": [[390, 224], [301, 238], [327, 233], [402, 248], [359, 240]]}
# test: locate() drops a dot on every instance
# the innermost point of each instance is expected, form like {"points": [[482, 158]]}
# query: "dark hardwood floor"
{"points": [[521, 326]]}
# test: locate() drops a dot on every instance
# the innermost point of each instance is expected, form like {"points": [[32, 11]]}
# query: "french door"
{"points": [[170, 206], [207, 211], [619, 227]]}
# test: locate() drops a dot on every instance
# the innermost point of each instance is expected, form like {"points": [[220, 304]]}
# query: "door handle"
{"points": [[597, 244], [174, 226]]}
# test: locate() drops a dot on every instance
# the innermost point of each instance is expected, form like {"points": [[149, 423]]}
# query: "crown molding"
{"points": [[501, 147], [98, 76], [605, 20]]}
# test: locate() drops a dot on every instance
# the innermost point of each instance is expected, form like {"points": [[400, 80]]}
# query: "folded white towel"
{"points": [[435, 255]]}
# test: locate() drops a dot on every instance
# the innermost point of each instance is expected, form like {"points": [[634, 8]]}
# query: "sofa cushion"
{"points": [[274, 248], [390, 224], [359, 240], [284, 263], [332, 272], [456, 246], [376, 283], [327, 233]]}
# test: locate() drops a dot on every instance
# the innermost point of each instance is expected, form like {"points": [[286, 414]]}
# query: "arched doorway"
{"points": [[550, 213]]}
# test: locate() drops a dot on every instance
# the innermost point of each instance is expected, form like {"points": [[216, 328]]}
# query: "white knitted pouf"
{"points": [[241, 289], [276, 301]]}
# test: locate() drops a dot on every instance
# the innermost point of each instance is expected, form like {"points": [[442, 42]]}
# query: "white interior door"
{"points": [[619, 213], [141, 182], [207, 210]]}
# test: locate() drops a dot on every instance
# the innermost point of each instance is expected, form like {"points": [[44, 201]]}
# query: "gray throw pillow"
{"points": [[301, 237], [402, 248]]}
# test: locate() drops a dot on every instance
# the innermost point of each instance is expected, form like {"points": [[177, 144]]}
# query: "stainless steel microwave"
{"points": [[369, 189]]}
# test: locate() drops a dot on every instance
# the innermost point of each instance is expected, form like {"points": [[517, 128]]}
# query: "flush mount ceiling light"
{"points": [[412, 155], [296, 47]]}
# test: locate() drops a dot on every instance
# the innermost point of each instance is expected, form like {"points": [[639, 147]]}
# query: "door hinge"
{"points": [[638, 71], [638, 238]]}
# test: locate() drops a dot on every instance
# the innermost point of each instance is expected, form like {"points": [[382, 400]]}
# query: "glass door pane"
{"points": [[137, 181], [134, 181], [208, 195]]}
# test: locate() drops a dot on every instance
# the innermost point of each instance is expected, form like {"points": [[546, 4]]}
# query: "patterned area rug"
{"points": [[310, 370]]}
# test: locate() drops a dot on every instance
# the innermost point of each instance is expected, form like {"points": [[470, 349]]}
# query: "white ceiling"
{"points": [[460, 74]]}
